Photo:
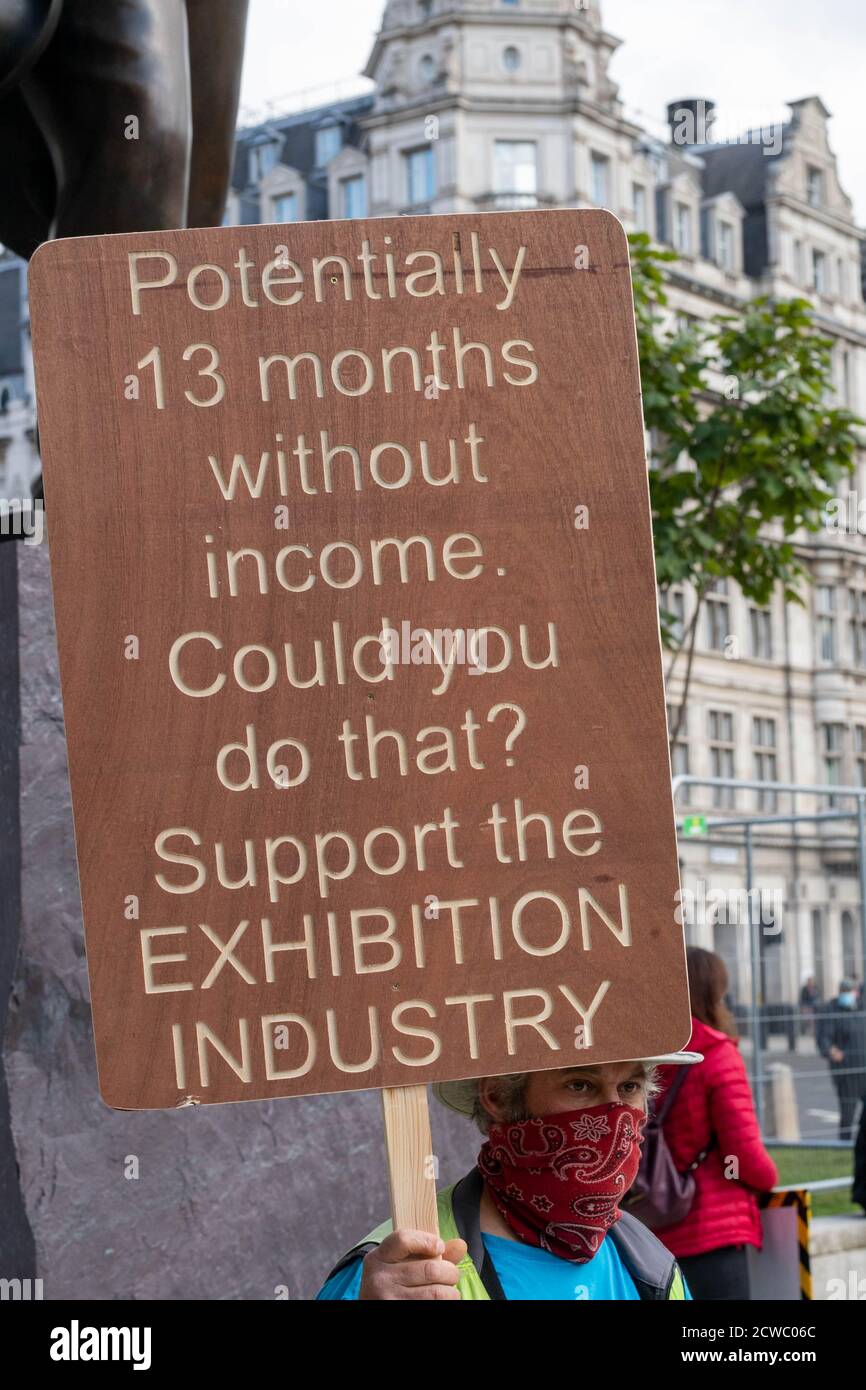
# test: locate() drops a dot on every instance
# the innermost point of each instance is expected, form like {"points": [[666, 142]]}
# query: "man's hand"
{"points": [[836, 1053], [412, 1264]]}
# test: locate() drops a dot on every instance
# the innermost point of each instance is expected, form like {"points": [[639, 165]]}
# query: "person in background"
{"points": [[842, 1041], [713, 1115], [539, 1216], [809, 1001]]}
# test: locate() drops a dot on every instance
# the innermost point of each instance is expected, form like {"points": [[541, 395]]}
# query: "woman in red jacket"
{"points": [[713, 1111]]}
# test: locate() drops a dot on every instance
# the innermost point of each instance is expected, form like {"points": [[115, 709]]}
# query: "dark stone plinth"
{"points": [[231, 1201]]}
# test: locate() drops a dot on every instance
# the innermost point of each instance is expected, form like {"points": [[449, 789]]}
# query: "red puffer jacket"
{"points": [[715, 1100]]}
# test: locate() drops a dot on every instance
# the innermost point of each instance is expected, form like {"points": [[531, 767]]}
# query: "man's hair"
{"points": [[510, 1091]]}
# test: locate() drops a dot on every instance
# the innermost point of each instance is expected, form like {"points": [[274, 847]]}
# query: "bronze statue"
{"points": [[115, 115]]}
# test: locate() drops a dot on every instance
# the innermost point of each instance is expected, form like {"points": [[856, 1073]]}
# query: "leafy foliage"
{"points": [[748, 448]]}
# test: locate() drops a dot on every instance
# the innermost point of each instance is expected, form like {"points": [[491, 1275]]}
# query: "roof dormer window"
{"points": [[329, 141], [263, 158], [815, 186], [725, 248], [683, 228]]}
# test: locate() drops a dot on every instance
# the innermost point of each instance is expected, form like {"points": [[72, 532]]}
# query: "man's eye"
{"points": [[578, 1085], [632, 1086]]}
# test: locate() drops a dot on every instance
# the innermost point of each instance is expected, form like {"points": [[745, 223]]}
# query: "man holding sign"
{"points": [[539, 1218], [363, 692]]}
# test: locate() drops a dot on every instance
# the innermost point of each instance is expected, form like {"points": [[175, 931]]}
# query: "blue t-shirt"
{"points": [[527, 1272]]}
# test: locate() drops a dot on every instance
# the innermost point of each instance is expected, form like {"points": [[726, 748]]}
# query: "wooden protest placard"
{"points": [[356, 613]]}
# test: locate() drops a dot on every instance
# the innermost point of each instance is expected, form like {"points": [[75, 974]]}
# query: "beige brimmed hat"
{"points": [[461, 1095]]}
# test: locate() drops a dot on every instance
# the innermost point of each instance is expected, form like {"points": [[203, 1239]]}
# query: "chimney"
{"points": [[691, 121]]}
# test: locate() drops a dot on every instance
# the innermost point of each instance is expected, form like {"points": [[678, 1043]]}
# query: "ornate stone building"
{"points": [[508, 104]]}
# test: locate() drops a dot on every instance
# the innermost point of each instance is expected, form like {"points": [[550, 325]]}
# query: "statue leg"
{"points": [[217, 29], [112, 98], [28, 187]]}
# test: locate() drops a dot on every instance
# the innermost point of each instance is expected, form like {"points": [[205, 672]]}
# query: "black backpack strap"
{"points": [[466, 1205], [667, 1105], [704, 1153], [670, 1096], [650, 1264], [356, 1253]]}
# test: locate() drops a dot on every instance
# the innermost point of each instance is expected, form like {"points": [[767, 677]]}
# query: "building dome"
{"points": [[404, 13]]}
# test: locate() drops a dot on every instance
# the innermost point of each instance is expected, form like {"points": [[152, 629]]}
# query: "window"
{"points": [[600, 179], [818, 952], [639, 206], [819, 271], [860, 754], [673, 604], [718, 615], [761, 633], [764, 759], [722, 754], [815, 186], [679, 750], [831, 744], [263, 159], [286, 207], [798, 262], [683, 227], [511, 58], [825, 602], [726, 246], [420, 175], [427, 67], [353, 196], [857, 600], [851, 949], [845, 376], [515, 173], [329, 141]]}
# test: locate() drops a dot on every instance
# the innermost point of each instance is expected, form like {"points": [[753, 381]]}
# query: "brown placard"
{"points": [[438, 869]]}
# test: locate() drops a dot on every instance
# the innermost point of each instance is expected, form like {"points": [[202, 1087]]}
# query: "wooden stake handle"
{"points": [[411, 1164]]}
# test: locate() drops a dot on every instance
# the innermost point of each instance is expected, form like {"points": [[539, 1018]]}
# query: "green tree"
{"points": [[747, 447]]}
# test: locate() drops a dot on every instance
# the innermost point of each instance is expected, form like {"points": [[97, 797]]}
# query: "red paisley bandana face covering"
{"points": [[558, 1180]]}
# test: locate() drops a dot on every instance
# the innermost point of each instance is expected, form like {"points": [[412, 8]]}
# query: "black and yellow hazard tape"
{"points": [[800, 1198]]}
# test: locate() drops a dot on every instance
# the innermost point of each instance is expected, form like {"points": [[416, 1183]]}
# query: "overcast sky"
{"points": [[750, 56]]}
